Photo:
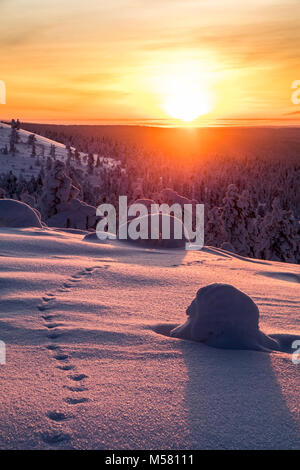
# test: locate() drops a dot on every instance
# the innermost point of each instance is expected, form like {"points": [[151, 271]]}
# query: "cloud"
{"points": [[248, 43], [94, 78], [292, 113]]}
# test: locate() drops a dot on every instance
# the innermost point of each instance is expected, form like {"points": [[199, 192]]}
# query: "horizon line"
{"points": [[165, 123]]}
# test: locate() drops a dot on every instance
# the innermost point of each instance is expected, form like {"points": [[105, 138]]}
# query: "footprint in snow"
{"points": [[48, 317], [57, 416], [68, 367], [75, 401], [55, 438], [85, 273], [52, 347], [52, 325], [78, 377], [76, 389], [47, 299], [61, 357]]}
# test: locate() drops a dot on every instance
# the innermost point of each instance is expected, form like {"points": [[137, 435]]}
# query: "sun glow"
{"points": [[187, 105], [186, 95]]}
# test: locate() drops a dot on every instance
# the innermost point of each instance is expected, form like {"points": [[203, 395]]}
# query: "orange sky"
{"points": [[75, 61]]}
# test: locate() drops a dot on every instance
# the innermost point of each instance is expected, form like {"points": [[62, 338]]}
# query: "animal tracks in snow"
{"points": [[55, 438], [52, 325], [78, 377], [57, 416], [76, 389], [52, 347], [68, 367], [76, 381], [75, 401], [61, 357], [47, 299]]}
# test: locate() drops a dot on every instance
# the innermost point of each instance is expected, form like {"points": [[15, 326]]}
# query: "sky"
{"points": [[150, 61]]}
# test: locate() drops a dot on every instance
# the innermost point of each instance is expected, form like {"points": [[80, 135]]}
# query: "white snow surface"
{"points": [[86, 368]]}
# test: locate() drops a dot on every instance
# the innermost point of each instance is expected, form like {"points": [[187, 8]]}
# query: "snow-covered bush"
{"points": [[59, 204], [58, 191]]}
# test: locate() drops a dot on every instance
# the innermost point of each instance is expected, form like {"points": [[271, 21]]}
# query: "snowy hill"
{"points": [[87, 368], [54, 179], [23, 161]]}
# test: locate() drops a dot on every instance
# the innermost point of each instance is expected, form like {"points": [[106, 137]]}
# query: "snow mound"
{"points": [[156, 220], [18, 214], [75, 214], [222, 316], [141, 226]]}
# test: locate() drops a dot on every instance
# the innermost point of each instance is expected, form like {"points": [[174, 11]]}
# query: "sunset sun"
{"points": [[187, 105], [186, 95]]}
